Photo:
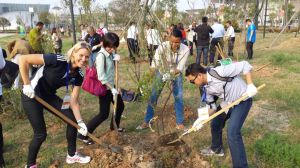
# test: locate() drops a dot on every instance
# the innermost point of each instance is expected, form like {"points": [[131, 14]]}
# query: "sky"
{"points": [[182, 4]]}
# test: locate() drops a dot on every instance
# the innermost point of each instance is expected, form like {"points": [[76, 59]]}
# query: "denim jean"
{"points": [[201, 49], [92, 59], [236, 116], [177, 93]]}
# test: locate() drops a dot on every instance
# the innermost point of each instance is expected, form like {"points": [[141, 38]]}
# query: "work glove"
{"points": [[198, 124], [94, 48], [28, 91], [166, 77], [251, 90], [114, 91], [202, 116], [117, 57], [83, 129]]}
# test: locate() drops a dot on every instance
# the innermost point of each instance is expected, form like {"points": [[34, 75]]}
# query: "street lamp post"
{"points": [[31, 11]]}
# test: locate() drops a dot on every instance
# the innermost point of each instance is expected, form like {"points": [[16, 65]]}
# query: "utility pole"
{"points": [[73, 22], [265, 22]]}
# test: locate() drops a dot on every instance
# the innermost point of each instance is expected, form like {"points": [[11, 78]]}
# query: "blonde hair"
{"points": [[76, 48], [90, 29]]}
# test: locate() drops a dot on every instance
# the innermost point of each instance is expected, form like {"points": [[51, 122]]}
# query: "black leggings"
{"points": [[1, 146], [104, 102], [34, 112]]}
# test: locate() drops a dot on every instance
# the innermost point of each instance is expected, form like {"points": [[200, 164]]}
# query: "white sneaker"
{"points": [[78, 158]]}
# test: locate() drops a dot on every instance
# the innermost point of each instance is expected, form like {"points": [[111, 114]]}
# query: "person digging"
{"points": [[174, 54], [225, 83]]}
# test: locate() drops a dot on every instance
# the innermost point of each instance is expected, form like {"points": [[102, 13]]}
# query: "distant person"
{"points": [[57, 42], [83, 32], [230, 36], [251, 37], [132, 41], [56, 72], [153, 40], [95, 41], [69, 31], [180, 26], [62, 31], [22, 32], [217, 40], [102, 30], [36, 38], [202, 44], [191, 37]]}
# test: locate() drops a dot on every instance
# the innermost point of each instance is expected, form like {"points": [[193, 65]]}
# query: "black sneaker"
{"points": [[85, 140], [209, 152]]}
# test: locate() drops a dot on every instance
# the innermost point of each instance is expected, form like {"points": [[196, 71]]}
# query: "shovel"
{"points": [[215, 115], [64, 118]]}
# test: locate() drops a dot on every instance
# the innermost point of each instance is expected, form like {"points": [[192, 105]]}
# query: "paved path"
{"points": [[6, 34]]}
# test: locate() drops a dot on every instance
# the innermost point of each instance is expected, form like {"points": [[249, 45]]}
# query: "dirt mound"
{"points": [[142, 151]]}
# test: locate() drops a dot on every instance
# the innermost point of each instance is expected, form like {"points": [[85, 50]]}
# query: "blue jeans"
{"points": [[177, 93], [236, 116], [201, 49], [92, 59]]}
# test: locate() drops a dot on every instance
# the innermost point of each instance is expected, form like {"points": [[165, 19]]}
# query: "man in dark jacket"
{"points": [[203, 31]]}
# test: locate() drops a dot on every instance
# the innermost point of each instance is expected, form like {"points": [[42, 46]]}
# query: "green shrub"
{"points": [[274, 150], [12, 104]]}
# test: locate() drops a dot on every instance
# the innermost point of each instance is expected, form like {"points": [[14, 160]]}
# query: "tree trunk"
{"points": [[286, 5], [73, 22], [257, 11]]}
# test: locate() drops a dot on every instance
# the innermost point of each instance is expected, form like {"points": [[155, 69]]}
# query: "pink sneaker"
{"points": [[33, 166], [78, 158]]}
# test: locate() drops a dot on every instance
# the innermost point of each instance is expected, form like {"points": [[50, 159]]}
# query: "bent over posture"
{"points": [[213, 85], [54, 73]]}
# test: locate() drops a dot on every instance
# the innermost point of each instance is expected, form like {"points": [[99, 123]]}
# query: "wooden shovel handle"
{"points": [[64, 118], [230, 105]]}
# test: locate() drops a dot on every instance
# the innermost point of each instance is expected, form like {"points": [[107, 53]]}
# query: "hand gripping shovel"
{"points": [[64, 118], [215, 115]]}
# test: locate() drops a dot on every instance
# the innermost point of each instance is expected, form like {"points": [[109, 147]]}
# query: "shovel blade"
{"points": [[165, 139]]}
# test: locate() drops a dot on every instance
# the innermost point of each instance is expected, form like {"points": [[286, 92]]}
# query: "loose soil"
{"points": [[144, 150]]}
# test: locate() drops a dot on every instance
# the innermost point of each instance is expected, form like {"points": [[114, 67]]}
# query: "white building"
{"points": [[27, 13]]}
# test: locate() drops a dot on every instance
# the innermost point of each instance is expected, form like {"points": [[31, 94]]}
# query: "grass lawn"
{"points": [[271, 132]]}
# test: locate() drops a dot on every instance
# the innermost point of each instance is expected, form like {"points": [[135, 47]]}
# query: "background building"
{"points": [[27, 14]]}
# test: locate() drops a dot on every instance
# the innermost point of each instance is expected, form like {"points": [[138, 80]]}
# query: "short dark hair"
{"points": [[204, 19], [40, 24], [131, 23], [176, 33], [248, 20], [194, 69], [111, 40], [229, 22]]}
